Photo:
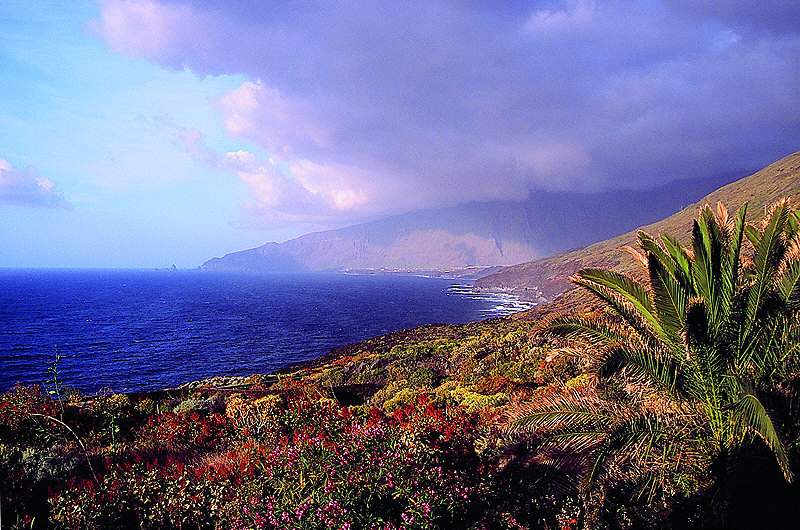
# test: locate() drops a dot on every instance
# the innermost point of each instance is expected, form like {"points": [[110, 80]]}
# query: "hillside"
{"points": [[548, 278], [480, 234], [415, 425]]}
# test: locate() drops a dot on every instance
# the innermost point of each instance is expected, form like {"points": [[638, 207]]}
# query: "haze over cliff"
{"points": [[548, 278], [479, 234]]}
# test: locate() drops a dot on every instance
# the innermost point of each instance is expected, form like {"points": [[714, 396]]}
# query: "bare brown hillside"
{"points": [[548, 278]]}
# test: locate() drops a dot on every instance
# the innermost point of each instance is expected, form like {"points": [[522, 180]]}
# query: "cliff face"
{"points": [[548, 278], [470, 235], [477, 235], [424, 249]]}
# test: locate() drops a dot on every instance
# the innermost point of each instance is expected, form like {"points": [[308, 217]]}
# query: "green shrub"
{"points": [[333, 376], [370, 375], [423, 377], [388, 391], [579, 381], [146, 407], [475, 402], [406, 396], [444, 392], [558, 369], [49, 464], [525, 371], [199, 403], [254, 417]]}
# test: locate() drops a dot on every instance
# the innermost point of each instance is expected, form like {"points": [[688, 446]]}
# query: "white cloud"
{"points": [[143, 27], [293, 191], [283, 126], [283, 199], [576, 16], [27, 187], [309, 193]]}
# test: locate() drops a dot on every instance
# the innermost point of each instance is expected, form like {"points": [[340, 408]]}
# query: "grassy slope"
{"points": [[548, 278]]}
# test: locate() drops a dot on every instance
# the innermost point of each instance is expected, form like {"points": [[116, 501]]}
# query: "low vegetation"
{"points": [[672, 402], [692, 374]]}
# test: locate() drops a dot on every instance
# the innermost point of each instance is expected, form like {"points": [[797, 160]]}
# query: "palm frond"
{"points": [[625, 295], [639, 439], [591, 331], [723, 216], [769, 251], [640, 258], [710, 242], [729, 268], [789, 284], [650, 246], [682, 260], [702, 265], [750, 411], [664, 371], [669, 299], [560, 411]]}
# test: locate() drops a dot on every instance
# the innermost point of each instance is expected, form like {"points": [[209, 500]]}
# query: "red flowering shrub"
{"points": [[144, 495], [184, 430], [414, 469], [21, 411], [314, 465]]}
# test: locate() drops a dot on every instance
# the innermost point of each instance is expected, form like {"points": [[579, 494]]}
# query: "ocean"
{"points": [[132, 330]]}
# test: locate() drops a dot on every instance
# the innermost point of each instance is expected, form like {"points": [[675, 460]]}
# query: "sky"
{"points": [[146, 133]]}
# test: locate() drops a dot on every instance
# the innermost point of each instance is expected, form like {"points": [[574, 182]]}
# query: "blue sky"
{"points": [[142, 133]]}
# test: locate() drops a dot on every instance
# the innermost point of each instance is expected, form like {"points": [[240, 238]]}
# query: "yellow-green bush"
{"points": [[146, 406], [333, 376], [423, 377], [579, 381], [388, 391], [256, 416], [475, 402], [404, 397], [444, 392]]}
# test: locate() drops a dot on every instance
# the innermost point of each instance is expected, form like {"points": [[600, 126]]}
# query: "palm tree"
{"points": [[684, 359]]}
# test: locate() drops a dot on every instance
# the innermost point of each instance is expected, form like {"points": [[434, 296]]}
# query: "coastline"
{"points": [[145, 329]]}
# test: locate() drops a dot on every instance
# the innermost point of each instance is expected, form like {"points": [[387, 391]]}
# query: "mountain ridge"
{"points": [[478, 235], [547, 279]]}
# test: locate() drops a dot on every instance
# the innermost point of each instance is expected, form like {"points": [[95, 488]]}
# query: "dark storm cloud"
{"points": [[371, 107], [777, 16]]}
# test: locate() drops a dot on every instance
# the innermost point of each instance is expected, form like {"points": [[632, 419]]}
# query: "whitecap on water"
{"points": [[498, 304]]}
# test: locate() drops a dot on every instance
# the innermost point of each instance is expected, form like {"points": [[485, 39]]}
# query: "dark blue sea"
{"points": [[130, 330]]}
